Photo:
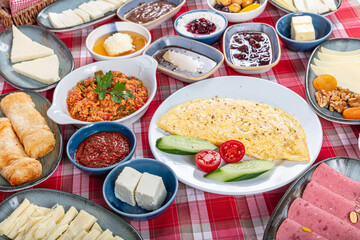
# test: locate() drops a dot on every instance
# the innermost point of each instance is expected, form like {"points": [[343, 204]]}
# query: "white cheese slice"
{"points": [[92, 11], [48, 225], [315, 6], [55, 20], [81, 235], [118, 238], [339, 53], [56, 232], [337, 58], [125, 185], [320, 63], [23, 48], [115, 2], [111, 6], [66, 20], [150, 192], [74, 18], [182, 61], [330, 4], [45, 70], [8, 224], [81, 13], [21, 220], [97, 227], [103, 7], [69, 216], [287, 4], [92, 234], [300, 5], [83, 221], [106, 235], [346, 76]]}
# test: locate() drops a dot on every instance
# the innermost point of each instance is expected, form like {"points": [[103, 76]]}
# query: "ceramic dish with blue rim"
{"points": [[59, 7], [338, 44], [154, 23], [51, 160], [288, 10], [44, 37], [210, 63], [142, 165], [350, 167], [48, 198], [252, 27]]}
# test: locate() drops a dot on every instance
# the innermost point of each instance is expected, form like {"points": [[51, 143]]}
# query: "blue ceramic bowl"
{"points": [[142, 165], [323, 29], [93, 128], [208, 39]]}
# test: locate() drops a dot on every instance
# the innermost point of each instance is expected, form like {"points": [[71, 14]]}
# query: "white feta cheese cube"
{"points": [[306, 19], [118, 44], [125, 185], [304, 32], [81, 13], [150, 192]]}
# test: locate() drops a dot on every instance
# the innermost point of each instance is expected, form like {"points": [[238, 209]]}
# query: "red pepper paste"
{"points": [[102, 150]]}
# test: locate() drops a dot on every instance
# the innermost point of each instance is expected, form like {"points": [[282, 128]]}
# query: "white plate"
{"points": [[255, 89]]}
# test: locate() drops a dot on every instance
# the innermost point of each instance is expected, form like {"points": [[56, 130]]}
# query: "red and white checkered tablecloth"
{"points": [[196, 214]]}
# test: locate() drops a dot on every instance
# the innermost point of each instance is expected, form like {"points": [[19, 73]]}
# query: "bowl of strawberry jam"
{"points": [[99, 147]]}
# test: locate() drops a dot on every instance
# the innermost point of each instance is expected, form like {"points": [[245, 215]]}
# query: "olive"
{"points": [[246, 3], [225, 9], [237, 1], [234, 7], [218, 6], [225, 2]]}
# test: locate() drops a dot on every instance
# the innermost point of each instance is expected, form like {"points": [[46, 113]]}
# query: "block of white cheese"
{"points": [[73, 17], [111, 6], [330, 4], [45, 70], [92, 11], [115, 2], [302, 28], [182, 61], [23, 48], [126, 184], [55, 20], [118, 43], [150, 193], [81, 13], [103, 7]]}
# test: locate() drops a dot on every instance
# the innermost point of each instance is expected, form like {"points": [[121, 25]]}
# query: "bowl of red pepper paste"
{"points": [[99, 147]]}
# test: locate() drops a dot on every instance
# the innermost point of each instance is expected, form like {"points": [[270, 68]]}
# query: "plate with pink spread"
{"points": [[324, 203]]}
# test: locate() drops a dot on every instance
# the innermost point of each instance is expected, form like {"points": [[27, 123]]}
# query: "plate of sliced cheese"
{"points": [[323, 7], [33, 58], [68, 15], [331, 85], [60, 215]]}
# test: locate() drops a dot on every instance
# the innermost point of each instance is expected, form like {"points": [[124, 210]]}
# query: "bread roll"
{"points": [[15, 164], [29, 125]]}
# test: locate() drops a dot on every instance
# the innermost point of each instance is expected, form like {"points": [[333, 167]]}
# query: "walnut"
{"points": [[323, 98], [354, 100], [337, 105], [344, 93]]}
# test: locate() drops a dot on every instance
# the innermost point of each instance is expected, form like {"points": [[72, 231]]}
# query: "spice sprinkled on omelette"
{"points": [[268, 133]]}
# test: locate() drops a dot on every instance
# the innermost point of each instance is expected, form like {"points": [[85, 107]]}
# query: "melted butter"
{"points": [[139, 42]]}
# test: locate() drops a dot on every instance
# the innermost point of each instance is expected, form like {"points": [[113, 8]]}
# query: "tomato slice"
{"points": [[232, 151], [207, 160]]}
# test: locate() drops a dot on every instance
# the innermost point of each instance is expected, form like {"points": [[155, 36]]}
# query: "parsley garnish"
{"points": [[118, 92]]}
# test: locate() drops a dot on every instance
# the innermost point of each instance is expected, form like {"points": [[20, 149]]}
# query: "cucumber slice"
{"points": [[183, 145], [239, 171]]}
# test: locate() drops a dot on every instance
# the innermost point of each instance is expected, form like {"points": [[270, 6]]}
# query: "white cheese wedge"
{"points": [[81, 13], [8, 224], [338, 58], [300, 5], [55, 20], [92, 11], [287, 4], [45, 70], [346, 76], [83, 221], [56, 232], [104, 8], [118, 43], [126, 184], [23, 48], [330, 4], [115, 2], [111, 6], [315, 6], [339, 53], [69, 216], [150, 192], [106, 235], [320, 63], [67, 21], [74, 18], [97, 227], [81, 235], [182, 61], [92, 234]]}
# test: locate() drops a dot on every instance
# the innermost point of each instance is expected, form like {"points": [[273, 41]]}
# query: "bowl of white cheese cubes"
{"points": [[118, 40], [303, 31], [140, 189]]}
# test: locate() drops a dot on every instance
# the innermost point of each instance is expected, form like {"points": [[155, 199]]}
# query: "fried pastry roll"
{"points": [[15, 165], [29, 125]]}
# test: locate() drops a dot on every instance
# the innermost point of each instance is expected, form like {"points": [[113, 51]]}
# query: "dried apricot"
{"points": [[246, 3], [352, 113], [237, 1], [325, 82], [225, 2], [250, 7], [234, 7]]}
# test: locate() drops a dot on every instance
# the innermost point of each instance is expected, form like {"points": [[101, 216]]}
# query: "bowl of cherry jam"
{"points": [[251, 48], [205, 26]]}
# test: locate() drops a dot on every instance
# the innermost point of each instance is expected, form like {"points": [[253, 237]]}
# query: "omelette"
{"points": [[268, 133]]}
